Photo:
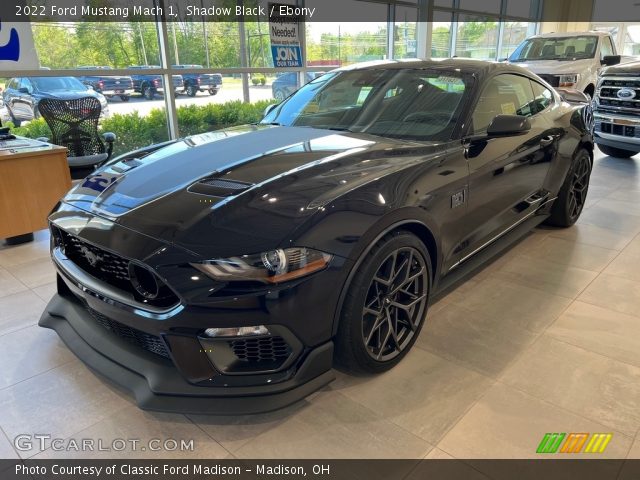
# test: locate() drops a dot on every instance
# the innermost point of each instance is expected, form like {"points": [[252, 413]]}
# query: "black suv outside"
{"points": [[109, 86], [200, 82], [22, 95]]}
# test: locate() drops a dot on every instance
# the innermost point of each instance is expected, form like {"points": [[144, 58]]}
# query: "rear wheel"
{"points": [[191, 91], [279, 95], [213, 91], [572, 196], [385, 306], [616, 152], [148, 92], [125, 98]]}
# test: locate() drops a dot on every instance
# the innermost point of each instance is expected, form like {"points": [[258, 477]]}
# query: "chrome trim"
{"points": [[105, 292], [504, 232], [618, 138], [609, 118]]}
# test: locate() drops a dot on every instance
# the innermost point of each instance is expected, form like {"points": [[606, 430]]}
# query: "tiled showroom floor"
{"points": [[545, 339]]}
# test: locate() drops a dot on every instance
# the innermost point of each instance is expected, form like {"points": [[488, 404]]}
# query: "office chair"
{"points": [[74, 124]]}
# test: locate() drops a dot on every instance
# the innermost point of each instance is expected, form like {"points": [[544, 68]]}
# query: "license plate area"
{"points": [[622, 130]]}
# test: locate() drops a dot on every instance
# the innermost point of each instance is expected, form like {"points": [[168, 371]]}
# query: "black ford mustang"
{"points": [[227, 272]]}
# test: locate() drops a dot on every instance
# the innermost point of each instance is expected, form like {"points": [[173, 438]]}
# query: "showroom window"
{"points": [[202, 55]]}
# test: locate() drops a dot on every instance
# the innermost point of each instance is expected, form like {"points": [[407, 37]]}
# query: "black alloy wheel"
{"points": [[579, 187], [573, 195], [385, 305], [395, 304]]}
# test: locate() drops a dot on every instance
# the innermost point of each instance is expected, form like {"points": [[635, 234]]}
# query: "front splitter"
{"points": [[157, 385]]}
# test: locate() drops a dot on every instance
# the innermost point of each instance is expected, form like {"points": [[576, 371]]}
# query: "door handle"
{"points": [[546, 141]]}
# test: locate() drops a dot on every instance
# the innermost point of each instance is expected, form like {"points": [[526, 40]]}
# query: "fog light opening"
{"points": [[252, 331]]}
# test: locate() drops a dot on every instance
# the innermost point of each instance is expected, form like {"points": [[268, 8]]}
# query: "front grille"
{"points": [[552, 80], [265, 349], [148, 342], [111, 269], [608, 94]]}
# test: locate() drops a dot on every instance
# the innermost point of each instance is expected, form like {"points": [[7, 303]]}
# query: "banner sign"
{"points": [[17, 51], [285, 36]]}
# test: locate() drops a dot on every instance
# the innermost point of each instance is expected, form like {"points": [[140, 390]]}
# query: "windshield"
{"points": [[50, 84], [555, 48], [407, 104]]}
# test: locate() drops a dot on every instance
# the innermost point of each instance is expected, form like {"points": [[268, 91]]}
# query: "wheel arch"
{"points": [[418, 228]]}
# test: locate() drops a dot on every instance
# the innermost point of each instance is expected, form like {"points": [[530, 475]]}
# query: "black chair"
{"points": [[74, 124]]}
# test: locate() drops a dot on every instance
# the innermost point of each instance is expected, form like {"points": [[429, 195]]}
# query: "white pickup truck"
{"points": [[568, 60]]}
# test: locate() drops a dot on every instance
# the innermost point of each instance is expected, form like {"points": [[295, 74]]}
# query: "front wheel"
{"points": [[616, 152], [573, 194], [385, 306]]}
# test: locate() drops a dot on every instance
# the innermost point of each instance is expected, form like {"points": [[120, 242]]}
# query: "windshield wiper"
{"points": [[340, 129]]}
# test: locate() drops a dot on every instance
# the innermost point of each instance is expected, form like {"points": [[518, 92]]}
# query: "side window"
{"points": [[505, 94], [606, 48], [13, 84], [26, 83], [542, 97]]}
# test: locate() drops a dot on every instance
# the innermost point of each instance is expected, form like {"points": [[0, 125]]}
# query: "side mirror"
{"points": [[269, 109], [23, 90], [506, 125], [611, 60], [574, 96]]}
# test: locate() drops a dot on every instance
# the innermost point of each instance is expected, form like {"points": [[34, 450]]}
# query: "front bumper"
{"points": [[617, 130], [156, 383], [124, 91]]}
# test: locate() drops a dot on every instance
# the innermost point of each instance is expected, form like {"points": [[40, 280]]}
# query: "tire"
{"points": [[365, 341], [279, 95], [125, 98], [616, 152], [191, 91], [573, 194], [213, 91], [148, 92]]}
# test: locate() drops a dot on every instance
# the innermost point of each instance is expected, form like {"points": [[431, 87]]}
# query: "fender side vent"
{"points": [[219, 187]]}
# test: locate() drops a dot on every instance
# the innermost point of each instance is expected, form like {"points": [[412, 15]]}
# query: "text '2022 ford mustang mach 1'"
{"points": [[229, 272]]}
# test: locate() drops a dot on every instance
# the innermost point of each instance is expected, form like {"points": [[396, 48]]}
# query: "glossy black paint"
{"points": [[337, 192]]}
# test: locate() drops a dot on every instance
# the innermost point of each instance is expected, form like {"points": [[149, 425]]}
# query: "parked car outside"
{"points": [[150, 85], [287, 83], [108, 85], [22, 94], [228, 272], [200, 82]]}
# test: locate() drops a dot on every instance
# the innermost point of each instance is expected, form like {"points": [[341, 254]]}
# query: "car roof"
{"points": [[462, 65], [592, 33]]}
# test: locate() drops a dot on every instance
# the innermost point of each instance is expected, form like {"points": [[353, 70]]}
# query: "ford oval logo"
{"points": [[626, 93]]}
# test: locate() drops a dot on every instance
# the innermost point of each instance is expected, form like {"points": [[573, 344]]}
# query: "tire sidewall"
{"points": [[349, 339], [563, 213]]}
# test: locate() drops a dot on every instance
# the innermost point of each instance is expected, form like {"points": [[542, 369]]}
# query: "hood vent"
{"points": [[219, 187]]}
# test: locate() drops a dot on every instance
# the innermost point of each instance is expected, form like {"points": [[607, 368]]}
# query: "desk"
{"points": [[33, 177]]}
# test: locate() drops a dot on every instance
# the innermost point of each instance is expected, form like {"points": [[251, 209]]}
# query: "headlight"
{"points": [[569, 80], [274, 266]]}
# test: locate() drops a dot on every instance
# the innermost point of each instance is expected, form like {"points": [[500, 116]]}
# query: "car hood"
{"points": [[246, 186], [556, 67]]}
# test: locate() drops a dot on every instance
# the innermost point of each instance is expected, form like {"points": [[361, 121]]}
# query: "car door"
{"points": [[506, 174]]}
